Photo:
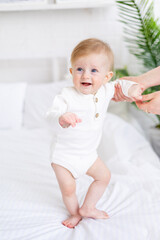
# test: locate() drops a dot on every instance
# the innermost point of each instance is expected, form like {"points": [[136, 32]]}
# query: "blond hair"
{"points": [[93, 45]]}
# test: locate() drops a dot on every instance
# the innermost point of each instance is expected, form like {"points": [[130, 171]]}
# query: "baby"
{"points": [[78, 114]]}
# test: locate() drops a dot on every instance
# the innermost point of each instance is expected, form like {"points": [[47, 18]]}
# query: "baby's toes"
{"points": [[65, 222], [70, 225]]}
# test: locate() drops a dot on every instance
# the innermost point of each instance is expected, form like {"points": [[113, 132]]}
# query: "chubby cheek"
{"points": [[97, 84], [76, 82]]}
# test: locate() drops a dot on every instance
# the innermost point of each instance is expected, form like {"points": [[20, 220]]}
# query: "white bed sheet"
{"points": [[31, 206]]}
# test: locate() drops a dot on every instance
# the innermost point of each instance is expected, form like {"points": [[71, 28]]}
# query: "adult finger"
{"points": [[143, 106], [147, 97], [138, 98]]}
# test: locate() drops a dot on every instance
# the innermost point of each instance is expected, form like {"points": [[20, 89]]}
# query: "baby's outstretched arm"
{"points": [[68, 119]]}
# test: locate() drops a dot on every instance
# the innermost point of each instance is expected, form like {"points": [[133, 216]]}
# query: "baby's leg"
{"points": [[101, 175], [68, 189]]}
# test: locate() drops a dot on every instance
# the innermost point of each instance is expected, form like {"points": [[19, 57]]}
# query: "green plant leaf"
{"points": [[141, 33]]}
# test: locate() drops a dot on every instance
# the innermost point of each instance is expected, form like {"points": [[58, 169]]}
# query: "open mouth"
{"points": [[86, 84]]}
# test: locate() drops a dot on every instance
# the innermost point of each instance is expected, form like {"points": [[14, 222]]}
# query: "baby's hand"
{"points": [[135, 92], [68, 119]]}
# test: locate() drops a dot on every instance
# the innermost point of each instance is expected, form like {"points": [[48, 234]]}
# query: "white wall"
{"points": [[36, 36]]}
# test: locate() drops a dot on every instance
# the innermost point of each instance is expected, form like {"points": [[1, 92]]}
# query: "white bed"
{"points": [[30, 204]]}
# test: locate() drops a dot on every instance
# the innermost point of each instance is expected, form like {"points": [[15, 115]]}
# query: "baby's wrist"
{"points": [[130, 92]]}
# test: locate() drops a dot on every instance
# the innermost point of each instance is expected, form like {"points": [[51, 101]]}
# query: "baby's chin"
{"points": [[87, 90]]}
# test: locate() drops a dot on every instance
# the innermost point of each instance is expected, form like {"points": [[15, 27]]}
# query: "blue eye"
{"points": [[94, 70], [79, 69]]}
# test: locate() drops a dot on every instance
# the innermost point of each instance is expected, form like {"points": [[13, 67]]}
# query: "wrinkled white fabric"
{"points": [[31, 205]]}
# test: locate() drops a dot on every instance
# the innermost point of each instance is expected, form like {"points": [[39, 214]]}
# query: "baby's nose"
{"points": [[86, 74]]}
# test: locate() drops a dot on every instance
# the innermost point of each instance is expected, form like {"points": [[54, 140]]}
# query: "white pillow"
{"points": [[39, 98], [11, 104]]}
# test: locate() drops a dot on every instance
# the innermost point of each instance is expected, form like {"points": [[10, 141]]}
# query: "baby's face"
{"points": [[90, 73]]}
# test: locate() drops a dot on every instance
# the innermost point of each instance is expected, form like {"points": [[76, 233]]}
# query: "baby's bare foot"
{"points": [[72, 221], [93, 213]]}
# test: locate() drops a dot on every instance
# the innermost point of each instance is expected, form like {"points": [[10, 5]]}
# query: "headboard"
{"points": [[34, 70]]}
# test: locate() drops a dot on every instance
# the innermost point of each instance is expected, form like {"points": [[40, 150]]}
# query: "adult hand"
{"points": [[152, 105], [119, 96]]}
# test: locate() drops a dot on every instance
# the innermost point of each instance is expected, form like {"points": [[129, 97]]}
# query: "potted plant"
{"points": [[142, 36]]}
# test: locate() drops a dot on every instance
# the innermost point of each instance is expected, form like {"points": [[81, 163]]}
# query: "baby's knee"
{"points": [[106, 177], [69, 189]]}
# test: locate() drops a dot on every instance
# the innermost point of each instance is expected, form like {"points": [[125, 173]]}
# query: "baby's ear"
{"points": [[70, 70], [108, 77]]}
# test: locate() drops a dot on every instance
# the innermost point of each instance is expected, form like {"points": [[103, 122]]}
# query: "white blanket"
{"points": [[30, 203]]}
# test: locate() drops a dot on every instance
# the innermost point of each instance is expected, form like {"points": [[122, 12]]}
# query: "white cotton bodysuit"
{"points": [[75, 148]]}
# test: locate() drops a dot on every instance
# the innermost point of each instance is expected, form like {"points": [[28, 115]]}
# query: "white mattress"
{"points": [[30, 200]]}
